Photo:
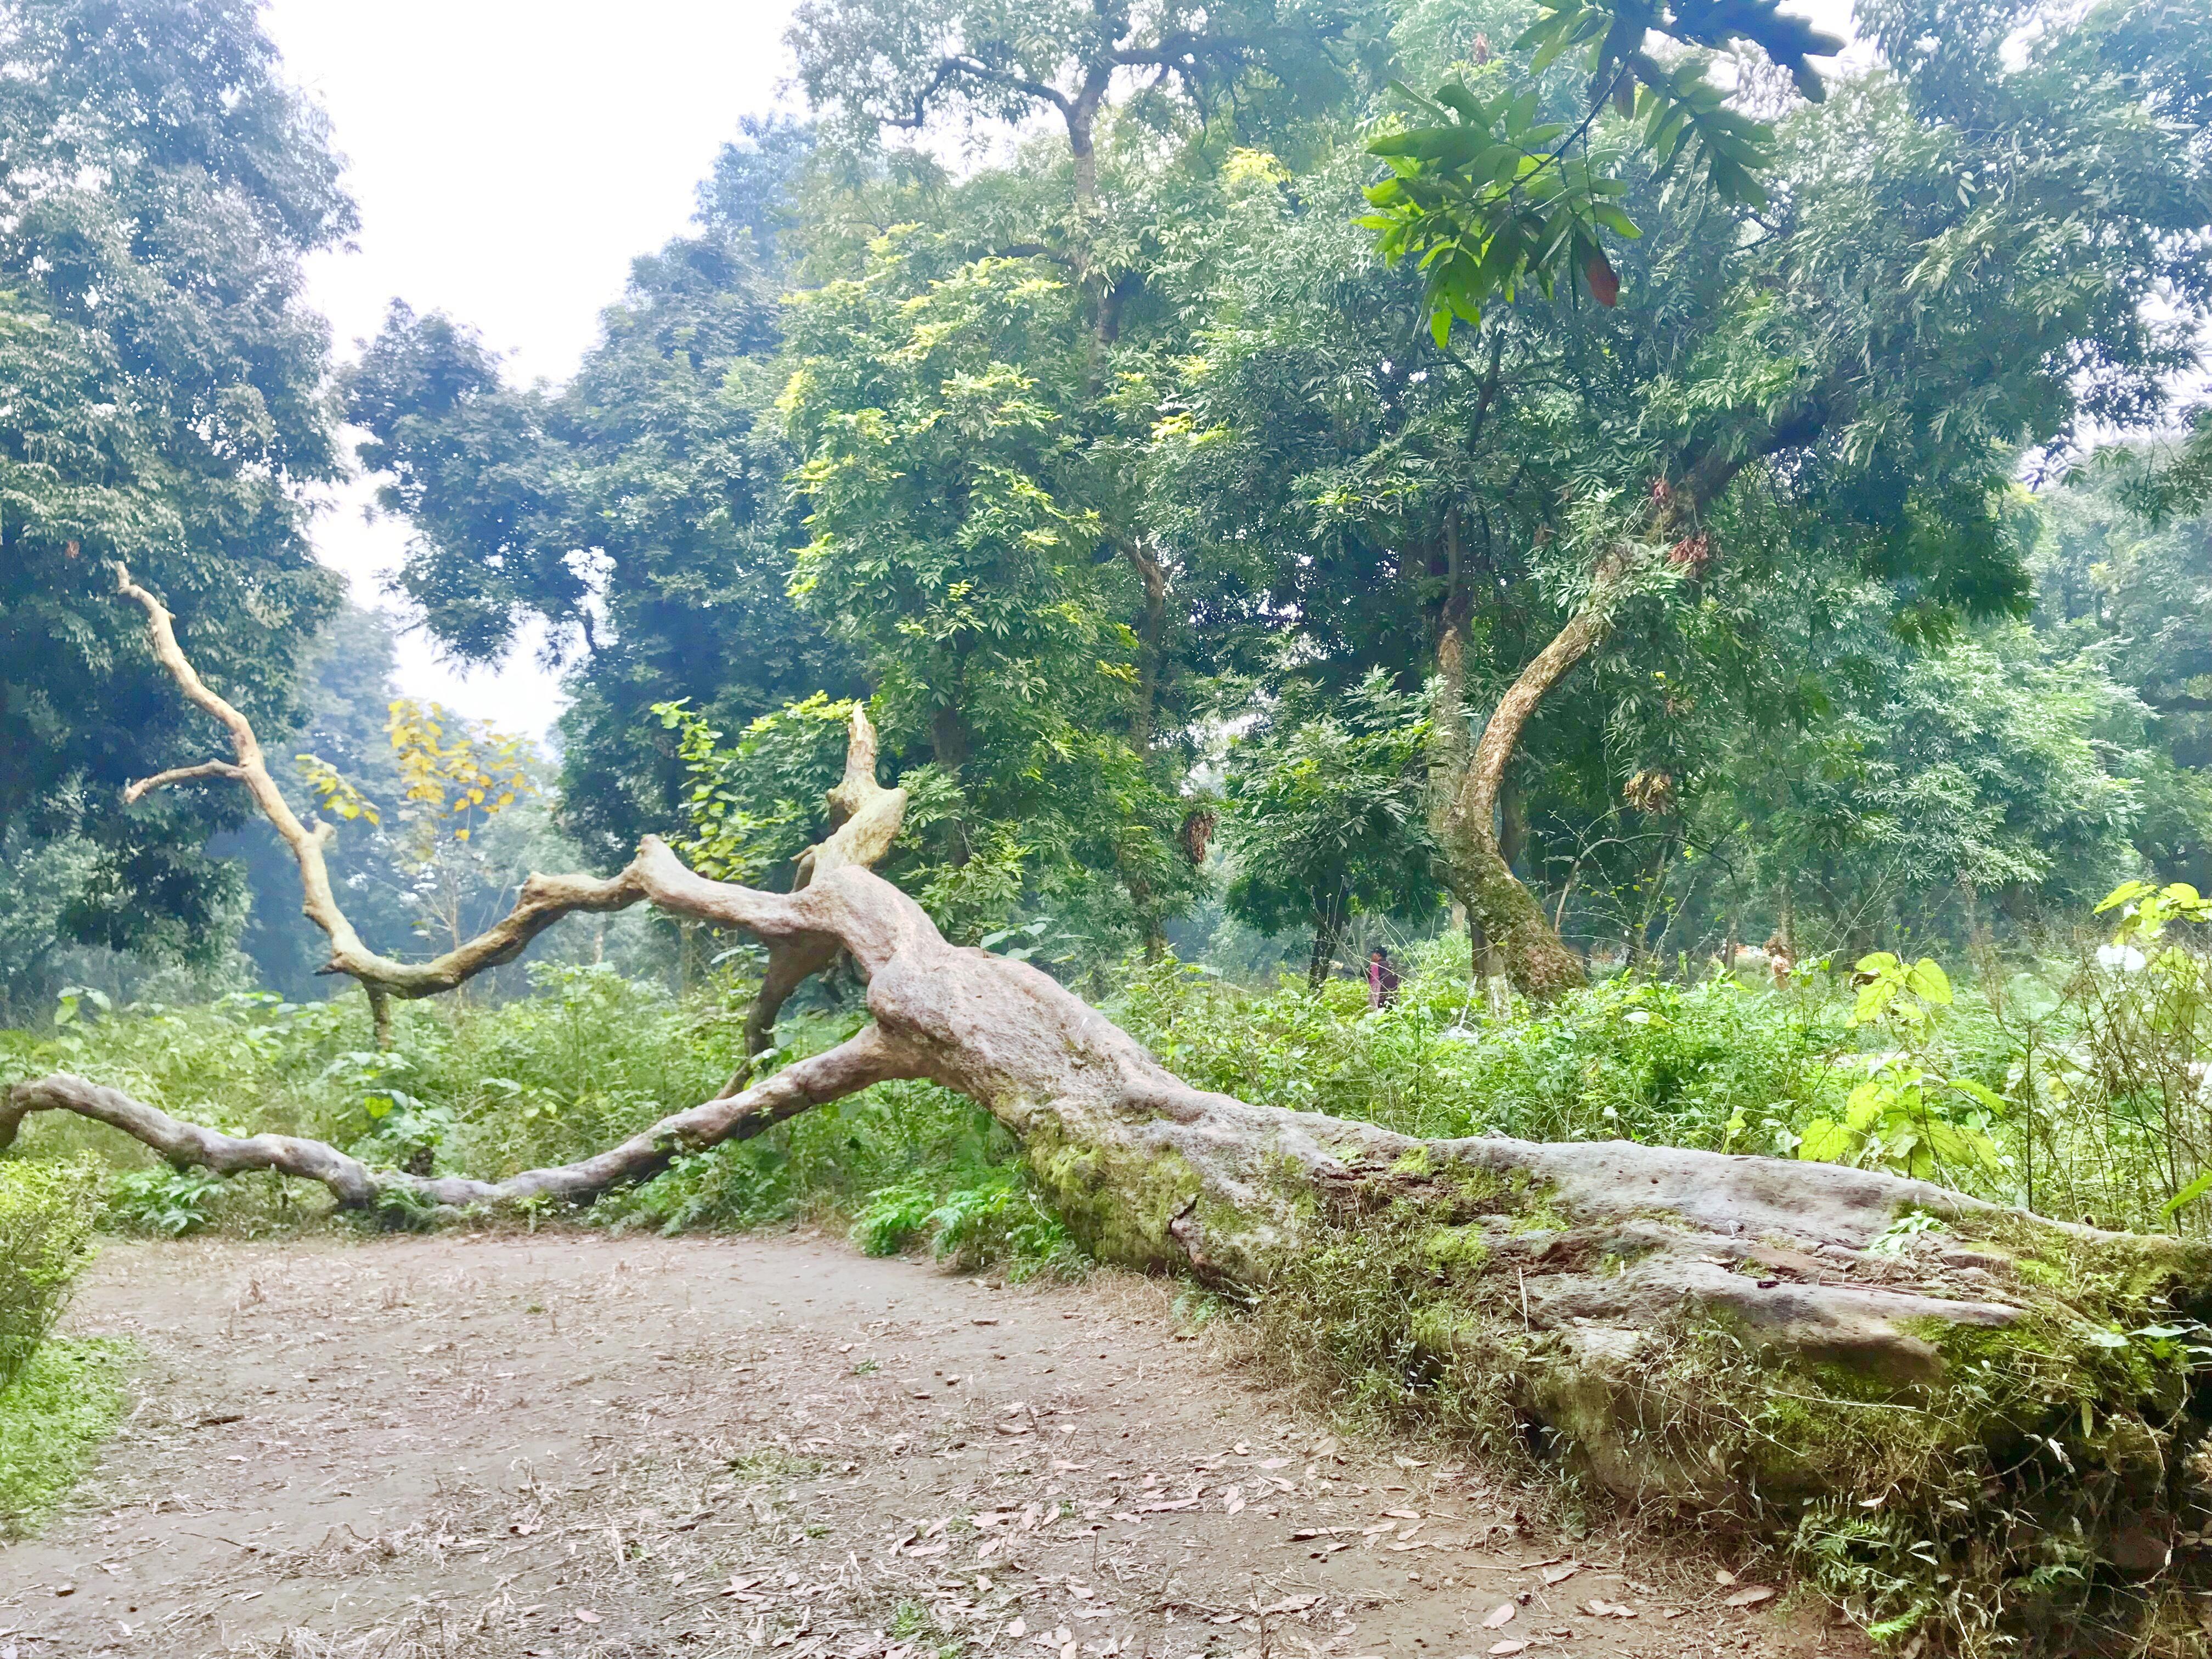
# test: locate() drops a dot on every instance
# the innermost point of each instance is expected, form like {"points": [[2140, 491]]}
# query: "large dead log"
{"points": [[1710, 1330], [1984, 1422]]}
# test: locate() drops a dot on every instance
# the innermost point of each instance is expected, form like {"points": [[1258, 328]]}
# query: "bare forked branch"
{"points": [[183, 775], [868, 819]]}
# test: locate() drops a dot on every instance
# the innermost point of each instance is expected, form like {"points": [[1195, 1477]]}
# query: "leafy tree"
{"points": [[164, 406], [1979, 775], [1870, 355], [1323, 815], [900, 63], [638, 514], [956, 551]]}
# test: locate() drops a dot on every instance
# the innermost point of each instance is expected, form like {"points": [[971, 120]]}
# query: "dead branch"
{"points": [[867, 817], [868, 1058]]}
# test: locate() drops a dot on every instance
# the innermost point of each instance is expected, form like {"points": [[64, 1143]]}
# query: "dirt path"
{"points": [[582, 1446]]}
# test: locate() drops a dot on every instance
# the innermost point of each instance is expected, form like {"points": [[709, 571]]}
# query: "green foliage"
{"points": [[755, 808], [52, 1418], [162, 1202], [1906, 1117], [591, 1059], [993, 1217], [1481, 203], [905, 1162], [638, 512], [957, 502], [1712, 1065], [164, 404], [47, 1213], [1488, 196], [1323, 814]]}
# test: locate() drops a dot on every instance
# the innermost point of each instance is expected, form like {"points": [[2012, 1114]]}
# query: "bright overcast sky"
{"points": [[510, 158]]}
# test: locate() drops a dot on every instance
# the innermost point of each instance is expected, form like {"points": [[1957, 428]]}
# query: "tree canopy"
{"points": [[166, 404]]}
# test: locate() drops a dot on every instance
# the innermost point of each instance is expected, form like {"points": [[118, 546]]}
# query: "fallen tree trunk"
{"points": [[1710, 1330], [1981, 1424]]}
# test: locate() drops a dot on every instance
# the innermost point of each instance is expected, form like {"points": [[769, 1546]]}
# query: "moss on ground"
{"points": [[54, 1418], [2048, 1491]]}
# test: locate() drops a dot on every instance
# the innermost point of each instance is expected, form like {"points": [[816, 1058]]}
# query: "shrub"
{"points": [[1713, 1065], [61, 1405], [987, 1217], [162, 1201], [47, 1212]]}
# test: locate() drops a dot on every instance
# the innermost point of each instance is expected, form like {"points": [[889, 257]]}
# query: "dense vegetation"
{"points": [[1335, 476]]}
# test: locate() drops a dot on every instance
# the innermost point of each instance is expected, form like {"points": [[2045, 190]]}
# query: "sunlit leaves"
{"points": [[754, 806], [1483, 199], [336, 792], [1908, 1116], [458, 774]]}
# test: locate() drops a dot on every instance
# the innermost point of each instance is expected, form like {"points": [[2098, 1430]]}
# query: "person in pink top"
{"points": [[1382, 979]]}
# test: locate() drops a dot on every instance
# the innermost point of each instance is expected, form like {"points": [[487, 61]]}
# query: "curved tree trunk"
{"points": [[1464, 810], [1985, 1394]]}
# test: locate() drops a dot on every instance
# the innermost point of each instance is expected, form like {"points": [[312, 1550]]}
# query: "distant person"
{"points": [[1382, 979]]}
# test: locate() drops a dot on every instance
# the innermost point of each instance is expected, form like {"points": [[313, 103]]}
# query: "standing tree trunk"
{"points": [[1463, 812], [1328, 935]]}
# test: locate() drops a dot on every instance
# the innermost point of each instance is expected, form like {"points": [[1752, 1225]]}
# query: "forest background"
{"points": [[1815, 547]]}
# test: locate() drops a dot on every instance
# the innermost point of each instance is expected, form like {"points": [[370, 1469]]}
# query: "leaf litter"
{"points": [[697, 1462]]}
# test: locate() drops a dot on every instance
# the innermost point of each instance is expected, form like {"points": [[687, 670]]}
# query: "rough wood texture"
{"points": [[1715, 1330], [542, 901]]}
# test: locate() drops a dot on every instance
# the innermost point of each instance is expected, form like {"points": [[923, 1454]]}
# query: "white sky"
{"points": [[510, 158]]}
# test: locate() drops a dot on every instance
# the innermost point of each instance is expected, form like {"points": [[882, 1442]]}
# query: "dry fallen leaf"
{"points": [[1501, 1614], [1017, 1630], [1560, 1574], [1752, 1595], [1509, 1645], [586, 1618], [1724, 1578]]}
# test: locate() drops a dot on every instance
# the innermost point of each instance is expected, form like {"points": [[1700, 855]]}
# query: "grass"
{"points": [[62, 1407]]}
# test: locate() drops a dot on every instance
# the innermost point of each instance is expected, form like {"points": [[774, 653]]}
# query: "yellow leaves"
{"points": [[1247, 167], [337, 794], [455, 784]]}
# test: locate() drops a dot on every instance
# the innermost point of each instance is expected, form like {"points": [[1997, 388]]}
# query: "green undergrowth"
{"points": [[489, 1089], [60, 1409], [2043, 1488], [1716, 1066]]}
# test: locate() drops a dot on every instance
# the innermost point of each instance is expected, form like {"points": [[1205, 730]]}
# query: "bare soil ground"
{"points": [[583, 1446]]}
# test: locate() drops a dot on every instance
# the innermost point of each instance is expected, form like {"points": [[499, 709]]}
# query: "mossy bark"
{"points": [[1465, 786], [1987, 1424]]}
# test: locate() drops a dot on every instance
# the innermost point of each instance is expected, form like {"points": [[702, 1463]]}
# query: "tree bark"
{"points": [[1463, 812], [1714, 1331], [1328, 934]]}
